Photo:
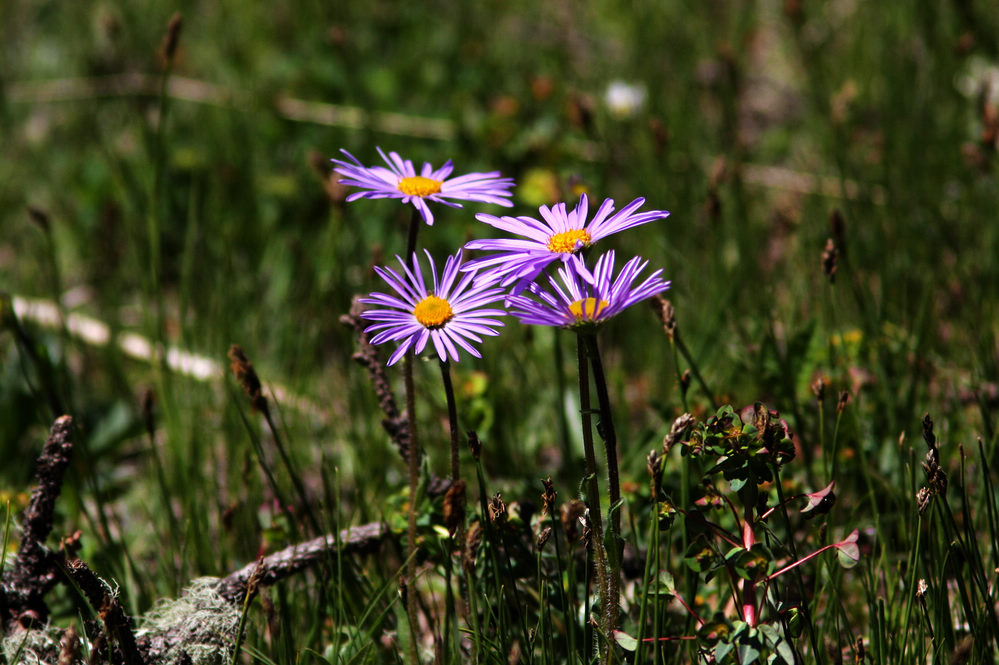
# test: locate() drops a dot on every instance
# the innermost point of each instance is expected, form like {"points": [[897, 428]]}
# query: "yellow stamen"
{"points": [[433, 312], [417, 185], [587, 309], [566, 242]]}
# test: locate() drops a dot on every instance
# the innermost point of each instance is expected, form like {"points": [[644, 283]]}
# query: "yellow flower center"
{"points": [[417, 185], [433, 312], [587, 309], [566, 241]]}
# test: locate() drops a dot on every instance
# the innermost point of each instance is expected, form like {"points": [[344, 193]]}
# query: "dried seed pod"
{"points": [[247, 377], [474, 444], [844, 399], [923, 498], [454, 506], [572, 511], [819, 389], [677, 431], [168, 47], [548, 497], [830, 256], [653, 463], [543, 537], [497, 509]]}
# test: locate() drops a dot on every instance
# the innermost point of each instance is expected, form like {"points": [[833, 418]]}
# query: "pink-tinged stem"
{"points": [[748, 540], [797, 563]]}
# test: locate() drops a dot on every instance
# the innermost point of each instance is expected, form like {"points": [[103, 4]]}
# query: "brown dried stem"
{"points": [[33, 574], [395, 422], [296, 558], [116, 623]]}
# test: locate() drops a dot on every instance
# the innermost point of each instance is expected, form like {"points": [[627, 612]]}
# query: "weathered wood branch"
{"points": [[296, 558]]}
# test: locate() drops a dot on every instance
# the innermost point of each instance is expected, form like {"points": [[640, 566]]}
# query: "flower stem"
{"points": [[606, 429], [414, 479], [593, 492], [414, 468], [452, 418], [459, 529]]}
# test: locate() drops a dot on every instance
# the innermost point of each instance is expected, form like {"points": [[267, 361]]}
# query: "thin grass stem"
{"points": [[685, 352]]}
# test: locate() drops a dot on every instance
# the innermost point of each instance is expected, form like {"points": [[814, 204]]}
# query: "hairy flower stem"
{"points": [[414, 467], [593, 498], [606, 430], [452, 419]]}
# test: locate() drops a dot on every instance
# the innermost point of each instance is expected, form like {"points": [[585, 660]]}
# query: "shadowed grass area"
{"points": [[830, 172]]}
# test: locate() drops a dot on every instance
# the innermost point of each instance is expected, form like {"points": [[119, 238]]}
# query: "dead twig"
{"points": [[296, 558], [104, 600], [395, 422], [34, 573]]}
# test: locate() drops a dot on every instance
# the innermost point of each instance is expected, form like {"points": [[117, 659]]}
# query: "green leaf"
{"points": [[748, 653], [786, 653], [625, 641], [666, 582], [848, 551]]}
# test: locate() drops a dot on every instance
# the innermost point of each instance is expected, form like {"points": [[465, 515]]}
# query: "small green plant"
{"points": [[735, 556]]}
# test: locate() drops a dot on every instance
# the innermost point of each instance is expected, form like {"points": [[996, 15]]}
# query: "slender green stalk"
{"points": [[606, 429], [650, 579], [817, 654], [258, 449], [452, 418], [679, 375], [414, 465], [568, 456], [593, 490], [241, 628], [414, 480], [567, 606], [685, 352], [459, 531], [296, 478], [614, 541]]}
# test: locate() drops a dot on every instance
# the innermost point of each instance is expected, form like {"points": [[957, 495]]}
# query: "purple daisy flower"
{"points": [[559, 235], [400, 181], [450, 314], [577, 302]]}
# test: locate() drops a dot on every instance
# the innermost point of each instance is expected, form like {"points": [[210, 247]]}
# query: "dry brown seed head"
{"points": [[497, 509], [830, 256], [548, 496], [454, 506], [168, 47], [474, 444], [247, 377], [543, 537], [819, 388], [572, 511], [844, 399], [923, 497]]}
